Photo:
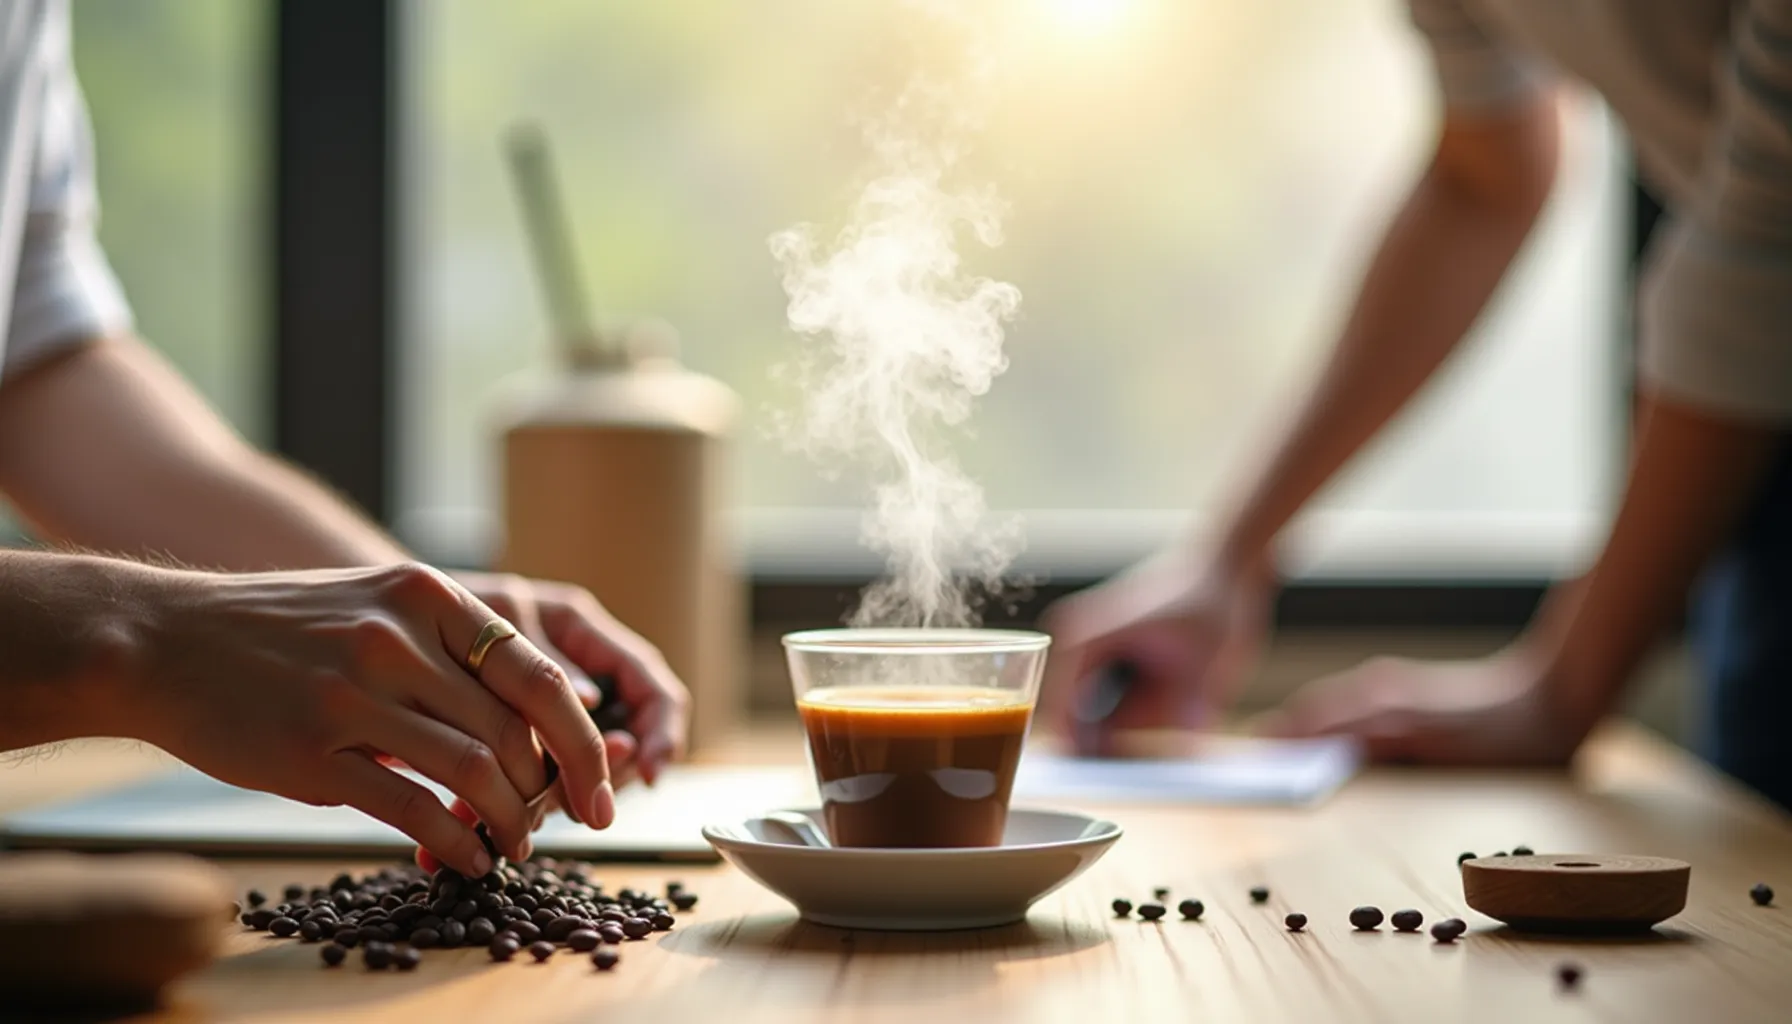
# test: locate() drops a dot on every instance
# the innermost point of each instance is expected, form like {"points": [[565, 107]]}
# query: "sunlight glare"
{"points": [[1089, 15]]}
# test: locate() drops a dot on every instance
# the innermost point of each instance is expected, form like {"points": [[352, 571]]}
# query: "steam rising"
{"points": [[903, 342]]}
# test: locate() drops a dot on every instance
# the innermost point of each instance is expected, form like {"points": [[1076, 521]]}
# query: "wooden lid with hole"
{"points": [[1577, 892]]}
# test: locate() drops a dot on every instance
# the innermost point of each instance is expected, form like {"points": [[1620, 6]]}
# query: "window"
{"points": [[176, 90], [1191, 190]]}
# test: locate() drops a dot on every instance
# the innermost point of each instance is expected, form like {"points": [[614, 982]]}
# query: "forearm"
{"points": [[1439, 261], [108, 449], [71, 629], [1690, 479]]}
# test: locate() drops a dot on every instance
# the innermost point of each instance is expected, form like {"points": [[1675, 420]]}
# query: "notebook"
{"points": [[185, 810]]}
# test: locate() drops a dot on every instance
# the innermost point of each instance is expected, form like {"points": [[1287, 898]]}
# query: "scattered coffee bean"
{"points": [[582, 941], [1161, 893], [673, 889], [684, 901], [1151, 911], [1461, 857], [294, 893], [1295, 922], [1191, 910], [453, 934], [284, 927], [637, 927], [1259, 894], [350, 937], [426, 938], [377, 956], [1122, 908], [1365, 919], [662, 921], [605, 958], [541, 950], [1449, 929], [310, 930], [611, 933], [256, 897], [406, 959], [1407, 920], [1568, 974], [333, 955], [1497, 853], [1762, 894], [479, 933], [1521, 851], [503, 947]]}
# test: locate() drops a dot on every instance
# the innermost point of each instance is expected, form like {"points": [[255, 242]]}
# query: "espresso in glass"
{"points": [[927, 766]]}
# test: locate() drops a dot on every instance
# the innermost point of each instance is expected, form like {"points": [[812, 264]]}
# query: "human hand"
{"points": [[1505, 709], [1189, 630], [302, 683]]}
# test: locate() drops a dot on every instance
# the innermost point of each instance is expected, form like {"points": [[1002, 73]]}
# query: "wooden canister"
{"points": [[613, 478]]}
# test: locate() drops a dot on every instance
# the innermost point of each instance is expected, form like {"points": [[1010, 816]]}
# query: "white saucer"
{"points": [[918, 890]]}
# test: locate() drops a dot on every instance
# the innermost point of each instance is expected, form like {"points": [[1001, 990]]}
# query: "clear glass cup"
{"points": [[915, 734]]}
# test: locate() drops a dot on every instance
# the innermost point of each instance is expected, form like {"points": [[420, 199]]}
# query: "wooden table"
{"points": [[1390, 839]]}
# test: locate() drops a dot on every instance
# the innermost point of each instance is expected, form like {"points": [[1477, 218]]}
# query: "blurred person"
{"points": [[309, 653], [1705, 90]]}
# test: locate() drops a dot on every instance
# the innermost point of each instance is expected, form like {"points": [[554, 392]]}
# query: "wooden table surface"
{"points": [[1390, 839]]}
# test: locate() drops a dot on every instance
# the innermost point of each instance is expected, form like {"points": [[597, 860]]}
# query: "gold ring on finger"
{"points": [[489, 635]]}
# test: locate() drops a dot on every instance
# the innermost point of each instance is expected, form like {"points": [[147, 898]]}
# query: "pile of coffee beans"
{"points": [[539, 905]]}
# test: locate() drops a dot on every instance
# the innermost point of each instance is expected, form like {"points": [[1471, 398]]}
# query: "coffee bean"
{"points": [[342, 882], [1161, 893], [1407, 920], [465, 911], [611, 933], [1259, 894], [426, 938], [489, 902], [582, 941], [525, 901], [377, 956], [503, 947], [1497, 853], [618, 916], [333, 955], [685, 900], [443, 907], [1191, 910], [515, 914], [406, 959], [1295, 922], [480, 932], [1461, 857], [256, 897], [1122, 908], [350, 937], [1151, 911], [453, 934], [390, 902], [1762, 894], [429, 921], [1568, 974], [673, 889], [1365, 919], [260, 919], [284, 927], [541, 950], [1521, 851], [663, 922], [560, 927], [310, 930], [294, 893], [544, 917], [605, 958], [637, 927], [1449, 929], [525, 931]]}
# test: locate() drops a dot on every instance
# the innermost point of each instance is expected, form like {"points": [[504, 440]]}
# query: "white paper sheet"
{"points": [[1231, 771]]}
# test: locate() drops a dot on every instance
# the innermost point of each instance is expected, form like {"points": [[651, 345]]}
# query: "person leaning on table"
{"points": [[314, 651], [1705, 89]]}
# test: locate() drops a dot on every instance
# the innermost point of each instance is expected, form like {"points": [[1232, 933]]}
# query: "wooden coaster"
{"points": [[1591, 893], [105, 930]]}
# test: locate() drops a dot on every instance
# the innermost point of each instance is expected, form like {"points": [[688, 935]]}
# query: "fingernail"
{"points": [[603, 807], [482, 862]]}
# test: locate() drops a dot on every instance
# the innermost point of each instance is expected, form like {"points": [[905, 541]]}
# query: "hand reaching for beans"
{"points": [[308, 684]]}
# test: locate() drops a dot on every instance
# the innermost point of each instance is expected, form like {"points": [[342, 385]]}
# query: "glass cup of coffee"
{"points": [[915, 734]]}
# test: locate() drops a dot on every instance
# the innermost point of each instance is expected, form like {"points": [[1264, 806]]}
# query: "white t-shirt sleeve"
{"points": [[1716, 313], [1475, 70], [64, 290]]}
